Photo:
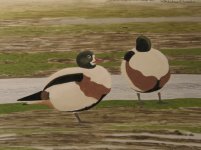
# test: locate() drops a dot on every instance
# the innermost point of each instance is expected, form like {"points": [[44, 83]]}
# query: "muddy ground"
{"points": [[97, 42], [94, 21], [103, 129]]}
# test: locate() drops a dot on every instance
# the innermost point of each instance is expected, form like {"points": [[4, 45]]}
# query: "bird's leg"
{"points": [[159, 97], [138, 96], [139, 99], [77, 117]]}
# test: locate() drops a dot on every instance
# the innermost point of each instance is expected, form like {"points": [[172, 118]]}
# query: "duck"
{"points": [[75, 89], [146, 69]]}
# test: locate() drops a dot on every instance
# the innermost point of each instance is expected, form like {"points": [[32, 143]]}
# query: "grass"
{"points": [[153, 104], [182, 52], [36, 11], [19, 107], [29, 64], [166, 27], [185, 66], [45, 63], [150, 104], [184, 60]]}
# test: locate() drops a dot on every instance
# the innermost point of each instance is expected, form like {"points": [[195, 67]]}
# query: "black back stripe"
{"points": [[65, 79]]}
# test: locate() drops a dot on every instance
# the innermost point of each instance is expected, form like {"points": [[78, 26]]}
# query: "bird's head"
{"points": [[143, 44], [87, 59]]}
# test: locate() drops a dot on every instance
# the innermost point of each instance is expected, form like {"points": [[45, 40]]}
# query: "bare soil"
{"points": [[97, 42], [95, 21], [103, 129]]}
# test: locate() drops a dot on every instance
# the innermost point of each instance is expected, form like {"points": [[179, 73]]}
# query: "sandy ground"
{"points": [[104, 129], [180, 86]]}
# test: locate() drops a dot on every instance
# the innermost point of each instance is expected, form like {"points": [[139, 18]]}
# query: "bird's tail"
{"points": [[41, 98], [33, 97]]}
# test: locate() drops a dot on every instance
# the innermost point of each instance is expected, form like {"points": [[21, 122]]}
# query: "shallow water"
{"points": [[179, 86]]}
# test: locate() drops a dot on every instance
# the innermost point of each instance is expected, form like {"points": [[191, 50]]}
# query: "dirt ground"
{"points": [[94, 21], [103, 129], [109, 41], [98, 42]]}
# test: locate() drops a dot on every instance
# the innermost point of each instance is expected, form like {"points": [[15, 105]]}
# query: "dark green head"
{"points": [[86, 59], [143, 44]]}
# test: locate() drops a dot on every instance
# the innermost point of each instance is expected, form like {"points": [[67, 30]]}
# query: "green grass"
{"points": [[96, 11], [29, 64], [19, 107], [41, 64], [153, 104], [185, 60], [182, 52], [185, 66], [149, 104], [167, 27]]}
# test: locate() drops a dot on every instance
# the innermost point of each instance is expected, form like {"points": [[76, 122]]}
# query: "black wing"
{"points": [[77, 77], [32, 97]]}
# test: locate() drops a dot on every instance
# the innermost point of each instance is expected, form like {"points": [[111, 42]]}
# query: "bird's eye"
{"points": [[88, 56]]}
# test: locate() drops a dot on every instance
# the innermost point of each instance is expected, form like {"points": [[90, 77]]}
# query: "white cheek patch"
{"points": [[93, 60]]}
